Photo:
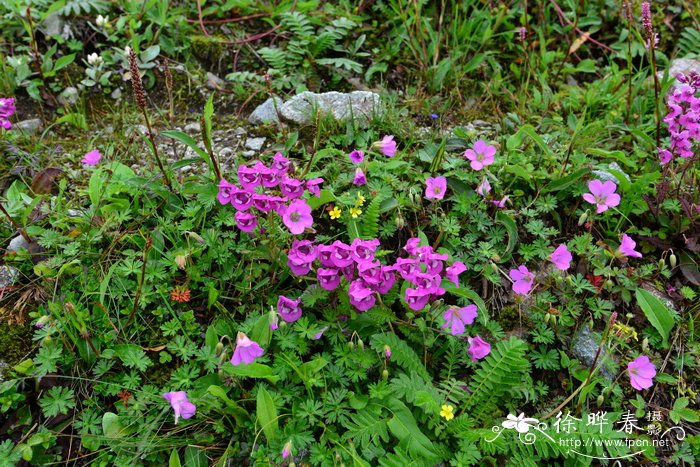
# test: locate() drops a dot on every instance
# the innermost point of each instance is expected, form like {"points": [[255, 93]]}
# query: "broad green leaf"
{"points": [[267, 413], [565, 182], [511, 228], [195, 457], [174, 459], [657, 313], [326, 197], [252, 370], [681, 412], [112, 427], [149, 54], [353, 229], [63, 62]]}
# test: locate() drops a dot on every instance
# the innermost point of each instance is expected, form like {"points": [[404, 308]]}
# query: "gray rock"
{"points": [[254, 143], [116, 94], [69, 96], [240, 131], [53, 24], [681, 65], [31, 126], [226, 152], [214, 82], [8, 275], [266, 112], [194, 127], [585, 346], [248, 153], [358, 105], [17, 244], [142, 129], [605, 175]]}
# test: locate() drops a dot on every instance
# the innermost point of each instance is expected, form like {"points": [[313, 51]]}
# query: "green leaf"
{"points": [[252, 370], [353, 229], [326, 197], [195, 457], [112, 427], [404, 427], [528, 130], [187, 140], [174, 459], [267, 413], [149, 54], [681, 412], [511, 228], [657, 313], [565, 182], [401, 353], [63, 62]]}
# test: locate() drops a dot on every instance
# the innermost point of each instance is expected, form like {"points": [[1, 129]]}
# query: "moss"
{"points": [[209, 51], [15, 343]]}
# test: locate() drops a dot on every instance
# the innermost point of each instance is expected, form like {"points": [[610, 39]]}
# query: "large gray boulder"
{"points": [[266, 112], [359, 106]]}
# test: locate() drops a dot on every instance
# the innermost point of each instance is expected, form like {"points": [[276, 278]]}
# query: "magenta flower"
{"points": [[411, 245], [360, 178], [225, 191], [291, 187], [245, 221], [387, 278], [478, 348], [342, 254], [523, 280], [268, 177], [387, 146], [665, 156], [602, 194], [314, 187], [435, 187], [287, 449], [280, 164], [328, 278], [262, 202], [319, 334], [561, 257], [92, 158], [288, 309], [481, 155], [456, 318], [325, 255], [248, 177], [434, 262], [627, 247], [246, 350], [363, 250], [181, 406], [387, 351], [361, 297], [357, 156], [417, 298], [370, 273], [297, 216], [641, 372], [484, 187], [241, 200], [452, 272], [407, 267], [500, 203], [7, 108]]}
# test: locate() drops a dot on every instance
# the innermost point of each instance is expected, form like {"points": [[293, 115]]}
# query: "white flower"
{"points": [[520, 423], [94, 59], [101, 20]]}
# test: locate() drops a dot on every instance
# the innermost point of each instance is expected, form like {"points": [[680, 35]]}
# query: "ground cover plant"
{"points": [[497, 264]]}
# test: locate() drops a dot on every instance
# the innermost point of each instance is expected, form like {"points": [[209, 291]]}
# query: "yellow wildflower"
{"points": [[360, 199], [447, 412], [624, 331], [335, 212], [355, 212]]}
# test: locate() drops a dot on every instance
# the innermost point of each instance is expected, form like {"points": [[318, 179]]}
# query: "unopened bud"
{"points": [[609, 284], [400, 222], [387, 351], [385, 374], [181, 261], [351, 344], [196, 237], [673, 260], [360, 344], [662, 263], [219, 348], [547, 317], [41, 322], [582, 219], [600, 400], [645, 344], [629, 316]]}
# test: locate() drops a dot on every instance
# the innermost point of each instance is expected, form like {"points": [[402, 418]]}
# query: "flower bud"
{"points": [[600, 400], [360, 344], [662, 263], [547, 317], [629, 316], [351, 344], [645, 344], [385, 374], [582, 219], [41, 322], [609, 284], [181, 261], [219, 348], [387, 351], [400, 222], [673, 260]]}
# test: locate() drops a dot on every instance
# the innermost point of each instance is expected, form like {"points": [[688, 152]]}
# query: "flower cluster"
{"points": [[683, 120], [7, 108], [295, 212]]}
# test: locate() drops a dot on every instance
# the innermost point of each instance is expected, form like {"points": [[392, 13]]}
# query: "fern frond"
{"points": [[689, 43], [276, 58], [366, 428], [298, 23], [417, 392], [370, 225], [401, 353]]}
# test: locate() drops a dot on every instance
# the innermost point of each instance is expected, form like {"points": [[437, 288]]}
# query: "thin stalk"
{"points": [[15, 224], [147, 247]]}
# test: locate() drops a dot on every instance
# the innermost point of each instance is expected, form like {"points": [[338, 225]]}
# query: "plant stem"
{"points": [[15, 224], [155, 150]]}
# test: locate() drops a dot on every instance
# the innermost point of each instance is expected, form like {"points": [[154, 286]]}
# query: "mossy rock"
{"points": [[15, 343]]}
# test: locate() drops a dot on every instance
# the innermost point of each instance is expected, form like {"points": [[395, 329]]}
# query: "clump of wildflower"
{"points": [[602, 194], [481, 155], [92, 157], [435, 187], [181, 406], [683, 120], [297, 216], [288, 309], [7, 109], [180, 294], [246, 350]]}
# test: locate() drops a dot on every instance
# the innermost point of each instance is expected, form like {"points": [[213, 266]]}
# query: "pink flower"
{"points": [[226, 189], [319, 334], [417, 298], [561, 258], [387, 351], [357, 156], [245, 221], [484, 187], [291, 187], [478, 348], [456, 318], [246, 350], [342, 254], [7, 108], [288, 309], [297, 216], [500, 203], [363, 250], [360, 178], [602, 194], [181, 406], [287, 449], [248, 177], [665, 156], [361, 297], [280, 164], [627, 247], [313, 186], [641, 372], [328, 278], [92, 158], [452, 272], [241, 200], [387, 146], [523, 280], [481, 155], [435, 187]]}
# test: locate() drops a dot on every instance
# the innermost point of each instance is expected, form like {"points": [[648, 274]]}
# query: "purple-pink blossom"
{"points": [[313, 186], [361, 296], [328, 278], [288, 309], [297, 216], [356, 156], [484, 187], [627, 247], [245, 221], [386, 146], [457, 318], [360, 178], [561, 257], [522, 280], [435, 187], [481, 155], [641, 372], [452, 272], [287, 449], [602, 194], [7, 109], [246, 350], [181, 406], [478, 348], [92, 157]]}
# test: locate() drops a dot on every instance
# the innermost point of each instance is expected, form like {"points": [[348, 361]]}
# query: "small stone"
{"points": [[116, 94], [69, 96], [31, 126], [605, 175], [194, 127], [17, 244], [143, 129], [359, 106], [248, 153], [226, 152], [240, 131], [585, 346], [266, 112], [8, 275], [255, 143], [214, 82]]}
